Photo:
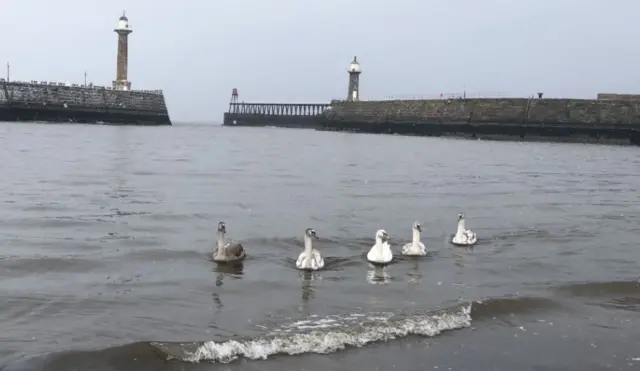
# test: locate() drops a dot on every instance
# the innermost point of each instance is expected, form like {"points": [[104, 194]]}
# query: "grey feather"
{"points": [[232, 251], [235, 250]]}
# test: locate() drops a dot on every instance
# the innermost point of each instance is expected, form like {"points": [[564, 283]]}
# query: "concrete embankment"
{"points": [[580, 120], [59, 103]]}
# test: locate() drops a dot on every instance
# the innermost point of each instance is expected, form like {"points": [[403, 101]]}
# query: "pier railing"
{"points": [[279, 109]]}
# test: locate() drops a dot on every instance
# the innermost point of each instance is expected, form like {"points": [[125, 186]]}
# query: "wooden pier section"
{"points": [[289, 115]]}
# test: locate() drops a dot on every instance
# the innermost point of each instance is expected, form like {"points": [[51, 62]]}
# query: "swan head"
{"points": [[382, 235], [311, 233], [222, 228], [460, 217], [417, 227]]}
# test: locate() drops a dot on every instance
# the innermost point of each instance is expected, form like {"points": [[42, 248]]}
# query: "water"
{"points": [[107, 234]]}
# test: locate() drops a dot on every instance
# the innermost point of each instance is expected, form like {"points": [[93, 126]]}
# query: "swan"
{"points": [[380, 253], [463, 237], [415, 247], [310, 258], [228, 251]]}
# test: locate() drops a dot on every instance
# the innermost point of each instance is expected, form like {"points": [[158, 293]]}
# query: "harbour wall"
{"points": [[21, 101], [581, 120]]}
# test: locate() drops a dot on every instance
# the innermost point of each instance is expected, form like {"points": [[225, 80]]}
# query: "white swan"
{"points": [[415, 248], [310, 258], [381, 252], [463, 237], [227, 251]]}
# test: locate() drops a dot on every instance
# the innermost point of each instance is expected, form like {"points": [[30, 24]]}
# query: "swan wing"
{"points": [[411, 249], [406, 249], [470, 237], [465, 238], [317, 258], [300, 261], [386, 252], [234, 250], [371, 255]]}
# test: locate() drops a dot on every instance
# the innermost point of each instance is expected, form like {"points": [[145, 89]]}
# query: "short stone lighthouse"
{"points": [[123, 30], [354, 81]]}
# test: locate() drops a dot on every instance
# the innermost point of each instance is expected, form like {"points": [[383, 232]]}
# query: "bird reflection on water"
{"points": [[306, 278], [232, 269], [378, 275], [413, 275]]}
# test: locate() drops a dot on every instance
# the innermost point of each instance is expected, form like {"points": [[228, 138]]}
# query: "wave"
{"points": [[599, 289], [497, 307], [325, 335], [315, 334], [617, 295], [335, 333]]}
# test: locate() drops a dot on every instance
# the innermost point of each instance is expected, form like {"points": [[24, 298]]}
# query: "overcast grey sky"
{"points": [[197, 51]]}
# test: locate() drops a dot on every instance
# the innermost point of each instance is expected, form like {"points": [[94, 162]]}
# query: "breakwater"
{"points": [[611, 119], [580, 120], [57, 102], [287, 115]]}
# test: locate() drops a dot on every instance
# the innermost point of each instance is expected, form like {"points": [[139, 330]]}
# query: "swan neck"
{"points": [[461, 226], [221, 240], [416, 236], [307, 246], [378, 244]]}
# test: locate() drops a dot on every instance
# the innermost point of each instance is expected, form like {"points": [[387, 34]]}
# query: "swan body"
{"points": [[464, 236], [227, 251], [310, 258], [381, 252], [415, 247]]}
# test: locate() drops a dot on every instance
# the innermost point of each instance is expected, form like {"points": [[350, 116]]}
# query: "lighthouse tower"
{"points": [[123, 30], [354, 81]]}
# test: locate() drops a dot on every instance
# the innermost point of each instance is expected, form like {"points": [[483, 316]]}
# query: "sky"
{"points": [[298, 51]]}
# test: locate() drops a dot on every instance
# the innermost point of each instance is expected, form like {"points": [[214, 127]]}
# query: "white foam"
{"points": [[323, 339]]}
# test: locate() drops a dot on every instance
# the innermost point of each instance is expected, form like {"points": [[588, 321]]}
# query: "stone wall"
{"points": [[508, 110], [76, 97], [614, 96]]}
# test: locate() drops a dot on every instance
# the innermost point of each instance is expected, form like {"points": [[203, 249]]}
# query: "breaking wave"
{"points": [[323, 335], [314, 334]]}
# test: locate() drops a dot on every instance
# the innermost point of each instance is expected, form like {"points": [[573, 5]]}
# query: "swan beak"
{"points": [[316, 237], [419, 228]]}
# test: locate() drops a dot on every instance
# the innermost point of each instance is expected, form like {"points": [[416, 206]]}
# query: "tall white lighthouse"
{"points": [[123, 30], [354, 80]]}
